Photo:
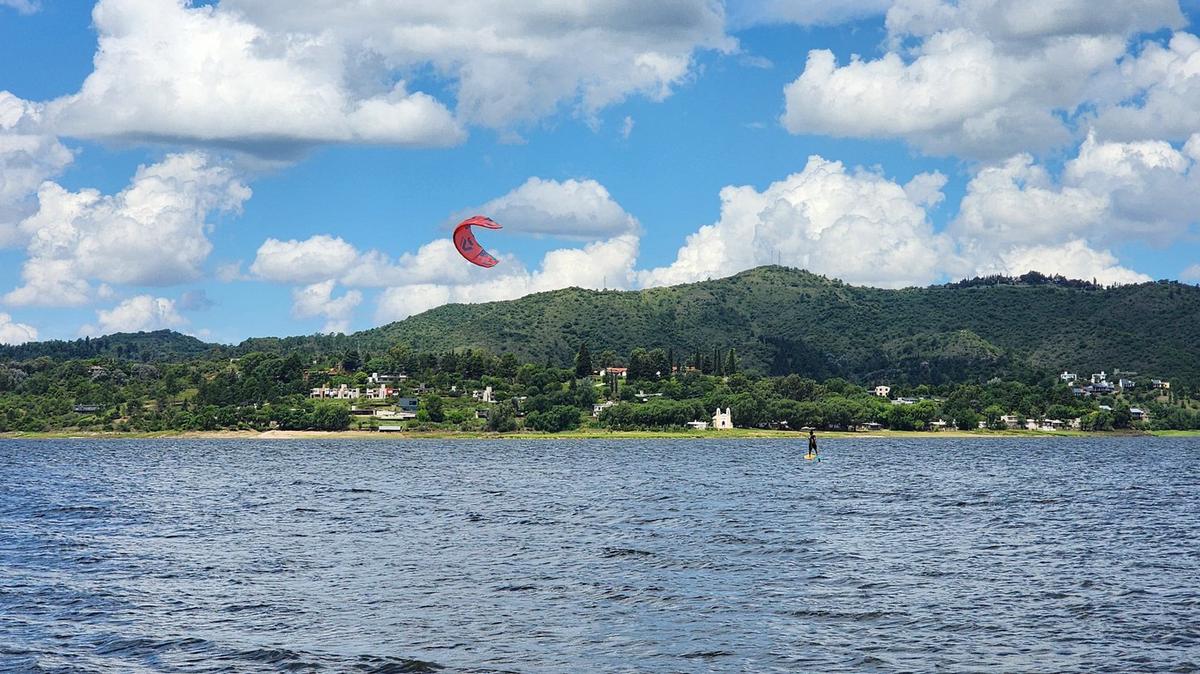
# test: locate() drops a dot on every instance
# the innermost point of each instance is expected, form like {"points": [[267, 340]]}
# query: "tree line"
{"points": [[659, 389]]}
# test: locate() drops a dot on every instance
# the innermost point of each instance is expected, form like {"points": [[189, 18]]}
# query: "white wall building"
{"points": [[342, 392], [377, 378], [722, 420], [383, 392], [883, 391]]}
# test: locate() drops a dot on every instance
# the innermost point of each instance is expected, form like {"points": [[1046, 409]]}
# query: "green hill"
{"points": [[157, 346], [785, 320], [782, 320]]}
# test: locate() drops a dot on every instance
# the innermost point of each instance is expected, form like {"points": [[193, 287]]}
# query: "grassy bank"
{"points": [[1175, 434], [582, 434]]}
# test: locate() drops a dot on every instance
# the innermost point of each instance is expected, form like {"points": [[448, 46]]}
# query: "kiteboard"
{"points": [[812, 457]]}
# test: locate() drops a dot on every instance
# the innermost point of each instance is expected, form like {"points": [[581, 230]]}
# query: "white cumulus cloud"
{"points": [[515, 62], [1110, 191], [169, 71], [271, 77], [28, 156], [1016, 216], [975, 78], [313, 259], [1159, 91], [855, 225], [1073, 259], [608, 263], [573, 209], [137, 314], [317, 300], [12, 332], [153, 232]]}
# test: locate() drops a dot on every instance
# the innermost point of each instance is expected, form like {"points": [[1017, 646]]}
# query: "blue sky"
{"points": [[232, 169]]}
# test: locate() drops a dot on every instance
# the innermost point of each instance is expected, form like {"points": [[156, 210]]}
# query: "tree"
{"points": [[608, 358], [434, 407], [583, 362], [554, 420], [351, 360], [731, 362], [967, 420], [993, 413], [502, 418], [330, 416]]}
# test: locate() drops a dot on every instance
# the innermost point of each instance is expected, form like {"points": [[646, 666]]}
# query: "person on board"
{"points": [[812, 442]]}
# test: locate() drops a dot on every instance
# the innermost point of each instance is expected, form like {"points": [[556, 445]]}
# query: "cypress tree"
{"points": [[583, 361]]}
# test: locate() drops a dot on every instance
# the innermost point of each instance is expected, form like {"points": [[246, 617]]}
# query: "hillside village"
{"points": [[475, 391], [389, 398]]}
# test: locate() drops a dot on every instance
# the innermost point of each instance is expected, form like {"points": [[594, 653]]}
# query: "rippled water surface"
{"points": [[580, 556]]}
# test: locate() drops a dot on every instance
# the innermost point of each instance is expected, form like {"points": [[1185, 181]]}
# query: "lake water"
{"points": [[593, 556]]}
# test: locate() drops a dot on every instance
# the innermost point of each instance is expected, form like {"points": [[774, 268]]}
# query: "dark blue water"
{"points": [[664, 556]]}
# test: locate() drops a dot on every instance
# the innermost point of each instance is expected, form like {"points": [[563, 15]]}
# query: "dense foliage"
{"points": [[773, 321], [783, 321], [473, 390]]}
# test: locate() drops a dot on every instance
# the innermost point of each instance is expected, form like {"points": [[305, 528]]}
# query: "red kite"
{"points": [[468, 247]]}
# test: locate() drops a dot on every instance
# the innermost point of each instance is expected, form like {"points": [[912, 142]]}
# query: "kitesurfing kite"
{"points": [[468, 247]]}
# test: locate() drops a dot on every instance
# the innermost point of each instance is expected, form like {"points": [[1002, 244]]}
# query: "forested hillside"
{"points": [[780, 321], [146, 347], [784, 320]]}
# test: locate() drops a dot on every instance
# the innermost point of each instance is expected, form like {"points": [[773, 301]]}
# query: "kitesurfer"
{"points": [[812, 443]]}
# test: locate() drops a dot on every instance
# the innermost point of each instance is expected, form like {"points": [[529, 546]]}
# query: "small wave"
{"points": [[625, 552], [144, 646], [516, 588], [238, 608], [707, 655], [825, 615]]}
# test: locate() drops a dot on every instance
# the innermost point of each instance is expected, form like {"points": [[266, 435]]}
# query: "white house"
{"points": [[1010, 421], [883, 391], [1125, 383], [1068, 377], [723, 420], [342, 392], [484, 396], [1160, 384], [377, 378], [698, 425], [383, 392], [600, 407], [1100, 377], [618, 371]]}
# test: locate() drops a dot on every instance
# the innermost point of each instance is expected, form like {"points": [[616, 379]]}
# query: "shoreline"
{"points": [[591, 434]]}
